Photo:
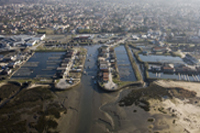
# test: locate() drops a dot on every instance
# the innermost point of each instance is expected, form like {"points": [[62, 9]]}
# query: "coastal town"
{"points": [[108, 63], [154, 59]]}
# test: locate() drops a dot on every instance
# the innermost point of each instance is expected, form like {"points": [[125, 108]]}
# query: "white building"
{"points": [[40, 36], [31, 42]]}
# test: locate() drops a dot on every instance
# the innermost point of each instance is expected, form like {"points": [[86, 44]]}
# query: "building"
{"points": [[155, 68], [159, 49], [82, 37], [168, 69], [104, 67], [6, 72], [105, 76], [31, 42], [40, 36]]}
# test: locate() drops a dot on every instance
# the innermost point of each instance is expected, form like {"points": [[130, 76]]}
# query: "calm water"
{"points": [[125, 69], [161, 58], [87, 87], [41, 64], [185, 77], [141, 46]]}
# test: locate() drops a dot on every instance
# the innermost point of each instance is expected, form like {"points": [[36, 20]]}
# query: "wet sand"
{"points": [[169, 115], [90, 109], [70, 100]]}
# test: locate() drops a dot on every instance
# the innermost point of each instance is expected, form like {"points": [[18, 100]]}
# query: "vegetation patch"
{"points": [[7, 90], [141, 96], [34, 107], [134, 64], [162, 110], [151, 120]]}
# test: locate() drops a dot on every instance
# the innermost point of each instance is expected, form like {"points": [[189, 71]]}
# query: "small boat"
{"points": [[88, 59], [84, 72], [89, 67], [90, 55], [92, 77]]}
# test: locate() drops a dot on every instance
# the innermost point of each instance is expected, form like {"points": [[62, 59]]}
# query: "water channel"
{"points": [[126, 72], [87, 87], [161, 59]]}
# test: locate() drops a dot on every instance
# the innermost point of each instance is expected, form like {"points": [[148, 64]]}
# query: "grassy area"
{"points": [[26, 97], [82, 50], [166, 54], [141, 96], [138, 57], [175, 54], [101, 84], [34, 103], [54, 49], [146, 65], [121, 83], [8, 90]]}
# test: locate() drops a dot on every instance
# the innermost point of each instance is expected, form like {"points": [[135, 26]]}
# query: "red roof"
{"points": [[105, 74], [105, 78], [159, 48], [167, 68]]}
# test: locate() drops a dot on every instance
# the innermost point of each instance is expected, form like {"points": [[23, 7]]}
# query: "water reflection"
{"points": [[125, 69], [41, 64], [161, 59]]}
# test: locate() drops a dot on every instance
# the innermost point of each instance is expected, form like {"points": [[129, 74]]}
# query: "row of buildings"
{"points": [[72, 62], [174, 68], [106, 62], [20, 40], [107, 17], [11, 62], [65, 64]]}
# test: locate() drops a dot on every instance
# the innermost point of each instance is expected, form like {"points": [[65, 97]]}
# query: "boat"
{"points": [[88, 59], [92, 77], [84, 72]]}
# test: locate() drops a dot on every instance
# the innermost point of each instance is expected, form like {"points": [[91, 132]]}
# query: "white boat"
{"points": [[84, 72]]}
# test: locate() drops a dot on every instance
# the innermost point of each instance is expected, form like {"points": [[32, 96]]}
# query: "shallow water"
{"points": [[41, 64], [161, 59], [87, 87], [126, 72]]}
